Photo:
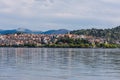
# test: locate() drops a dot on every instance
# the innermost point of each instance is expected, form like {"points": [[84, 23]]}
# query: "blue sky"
{"points": [[59, 14]]}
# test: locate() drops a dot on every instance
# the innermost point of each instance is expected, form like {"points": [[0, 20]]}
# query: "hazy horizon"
{"points": [[55, 29], [45, 15]]}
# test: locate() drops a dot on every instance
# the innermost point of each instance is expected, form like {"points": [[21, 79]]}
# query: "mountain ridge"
{"points": [[28, 31]]}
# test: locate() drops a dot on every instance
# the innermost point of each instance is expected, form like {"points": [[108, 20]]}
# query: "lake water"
{"points": [[59, 64]]}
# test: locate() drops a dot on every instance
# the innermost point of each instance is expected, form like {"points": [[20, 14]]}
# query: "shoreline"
{"points": [[62, 47]]}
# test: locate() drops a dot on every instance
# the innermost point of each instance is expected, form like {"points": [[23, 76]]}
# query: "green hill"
{"points": [[111, 34]]}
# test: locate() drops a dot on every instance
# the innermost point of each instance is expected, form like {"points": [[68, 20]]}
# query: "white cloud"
{"points": [[51, 11]]}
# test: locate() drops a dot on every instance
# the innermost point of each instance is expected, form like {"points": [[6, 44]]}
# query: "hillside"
{"points": [[111, 34]]}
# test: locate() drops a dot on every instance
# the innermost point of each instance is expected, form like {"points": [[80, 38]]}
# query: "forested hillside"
{"points": [[111, 34]]}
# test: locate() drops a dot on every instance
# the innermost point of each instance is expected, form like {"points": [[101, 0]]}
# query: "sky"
{"points": [[59, 14]]}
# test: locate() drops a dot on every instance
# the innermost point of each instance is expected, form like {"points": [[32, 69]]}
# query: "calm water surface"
{"points": [[59, 64]]}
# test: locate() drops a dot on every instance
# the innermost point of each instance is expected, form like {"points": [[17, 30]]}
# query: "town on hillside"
{"points": [[55, 40]]}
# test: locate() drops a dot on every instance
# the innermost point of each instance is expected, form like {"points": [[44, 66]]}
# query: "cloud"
{"points": [[60, 13]]}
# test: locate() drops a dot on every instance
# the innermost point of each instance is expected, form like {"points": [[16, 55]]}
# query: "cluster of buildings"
{"points": [[39, 39]]}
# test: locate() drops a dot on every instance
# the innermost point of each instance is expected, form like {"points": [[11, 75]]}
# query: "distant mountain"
{"points": [[15, 31], [8, 31], [110, 34], [60, 31], [23, 30]]}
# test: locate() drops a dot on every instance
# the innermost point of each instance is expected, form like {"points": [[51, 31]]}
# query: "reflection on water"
{"points": [[59, 64]]}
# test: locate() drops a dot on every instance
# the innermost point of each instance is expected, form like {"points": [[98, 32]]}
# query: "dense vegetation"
{"points": [[110, 34], [80, 43]]}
